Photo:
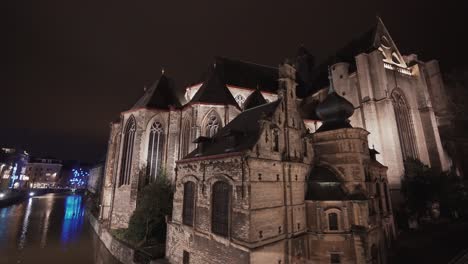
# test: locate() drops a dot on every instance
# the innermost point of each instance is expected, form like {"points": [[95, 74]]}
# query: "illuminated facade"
{"points": [[43, 173], [13, 164], [301, 189], [271, 192]]}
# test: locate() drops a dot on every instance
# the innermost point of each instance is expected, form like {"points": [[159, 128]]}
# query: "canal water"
{"points": [[50, 229]]}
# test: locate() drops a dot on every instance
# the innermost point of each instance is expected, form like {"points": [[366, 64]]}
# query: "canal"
{"points": [[50, 229]]}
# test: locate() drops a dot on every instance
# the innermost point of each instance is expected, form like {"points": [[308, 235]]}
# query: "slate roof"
{"points": [[325, 192], [237, 136], [324, 185], [321, 174], [255, 99], [364, 43], [307, 109], [214, 90], [248, 74], [160, 95]]}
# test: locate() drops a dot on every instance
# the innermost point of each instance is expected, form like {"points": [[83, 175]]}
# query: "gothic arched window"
{"points": [[275, 140], [240, 100], [379, 197], [220, 208], [387, 198], [185, 138], [127, 151], [212, 125], [405, 126], [333, 221], [189, 202], [155, 150]]}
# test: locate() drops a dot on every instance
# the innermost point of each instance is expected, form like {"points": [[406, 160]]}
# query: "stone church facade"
{"points": [[261, 174]]}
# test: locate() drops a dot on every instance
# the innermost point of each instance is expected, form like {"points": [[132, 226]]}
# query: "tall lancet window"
{"points": [[212, 125], [220, 208], [405, 126], [155, 150], [185, 138], [127, 152], [240, 100]]}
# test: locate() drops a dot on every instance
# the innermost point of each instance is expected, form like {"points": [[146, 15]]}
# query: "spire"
{"points": [[254, 99], [214, 90], [160, 95]]}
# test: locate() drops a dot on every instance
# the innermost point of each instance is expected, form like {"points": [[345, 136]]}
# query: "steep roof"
{"points": [[324, 185], [239, 135], [254, 99], [307, 109], [368, 41], [214, 91], [247, 74], [160, 95]]}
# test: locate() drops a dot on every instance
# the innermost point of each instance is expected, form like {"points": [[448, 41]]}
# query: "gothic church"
{"points": [[281, 165]]}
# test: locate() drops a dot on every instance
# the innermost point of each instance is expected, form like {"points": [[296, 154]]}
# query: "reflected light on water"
{"points": [[73, 218], [46, 221], [50, 229], [24, 230]]}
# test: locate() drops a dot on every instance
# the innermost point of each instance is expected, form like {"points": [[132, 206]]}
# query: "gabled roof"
{"points": [[369, 41], [247, 74], [244, 131], [255, 99], [307, 109], [214, 91], [160, 95], [324, 185]]}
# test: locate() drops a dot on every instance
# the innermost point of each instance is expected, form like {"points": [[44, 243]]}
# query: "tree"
{"points": [[423, 186], [147, 223]]}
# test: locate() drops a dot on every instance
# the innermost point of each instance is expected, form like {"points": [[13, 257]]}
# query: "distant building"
{"points": [[13, 164], [96, 173], [43, 172]]}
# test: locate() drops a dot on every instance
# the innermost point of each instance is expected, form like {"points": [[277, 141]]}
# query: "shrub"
{"points": [[148, 221]]}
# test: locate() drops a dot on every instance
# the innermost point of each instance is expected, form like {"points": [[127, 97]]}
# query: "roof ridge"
{"points": [[247, 62]]}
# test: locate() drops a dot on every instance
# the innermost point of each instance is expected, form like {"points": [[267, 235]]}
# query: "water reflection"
{"points": [[22, 241], [73, 219], [49, 229]]}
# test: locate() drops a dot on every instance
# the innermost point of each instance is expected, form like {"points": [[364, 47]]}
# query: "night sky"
{"points": [[68, 68]]}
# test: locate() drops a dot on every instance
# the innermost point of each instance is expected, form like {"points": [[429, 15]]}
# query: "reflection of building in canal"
{"points": [[96, 173], [43, 172], [73, 218], [13, 164]]}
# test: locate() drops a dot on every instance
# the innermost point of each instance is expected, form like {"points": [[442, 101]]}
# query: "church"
{"points": [[291, 164]]}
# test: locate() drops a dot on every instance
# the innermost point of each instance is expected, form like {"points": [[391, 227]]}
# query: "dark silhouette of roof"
{"points": [[240, 134], [307, 109], [364, 43], [305, 64], [324, 185], [322, 192], [247, 74], [255, 99], [321, 174], [160, 95], [214, 90]]}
